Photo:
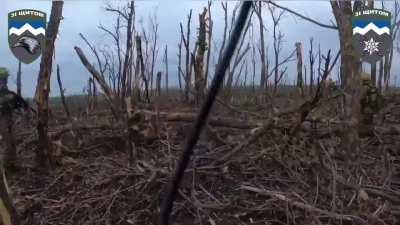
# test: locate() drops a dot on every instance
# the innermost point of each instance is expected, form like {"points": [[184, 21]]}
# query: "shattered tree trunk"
{"points": [[180, 65], [89, 95], [350, 75], [380, 76], [19, 83], [209, 42], [166, 69], [90, 101], [125, 69], [299, 68], [263, 75], [94, 94], [192, 96], [109, 94], [388, 57], [153, 54], [199, 63], [386, 71], [312, 60], [140, 63], [305, 78], [186, 42], [8, 213], [62, 92], [43, 85], [158, 84], [239, 55], [370, 5], [373, 73]]}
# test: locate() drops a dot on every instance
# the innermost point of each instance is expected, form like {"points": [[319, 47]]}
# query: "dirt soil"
{"points": [[278, 178]]}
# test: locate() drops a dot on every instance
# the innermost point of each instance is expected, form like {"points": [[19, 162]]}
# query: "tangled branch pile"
{"points": [[249, 174]]}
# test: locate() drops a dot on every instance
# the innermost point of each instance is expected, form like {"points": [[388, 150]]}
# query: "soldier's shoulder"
{"points": [[373, 89], [7, 94]]}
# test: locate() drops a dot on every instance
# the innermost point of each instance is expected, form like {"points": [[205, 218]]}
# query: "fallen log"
{"points": [[301, 205], [256, 133], [213, 121]]}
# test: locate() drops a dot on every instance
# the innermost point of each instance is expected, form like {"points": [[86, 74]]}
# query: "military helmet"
{"points": [[3, 73], [365, 78]]}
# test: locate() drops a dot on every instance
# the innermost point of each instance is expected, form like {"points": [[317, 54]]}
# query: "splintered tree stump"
{"points": [[158, 84], [199, 61], [350, 75], [300, 80], [43, 85], [62, 92], [8, 213]]}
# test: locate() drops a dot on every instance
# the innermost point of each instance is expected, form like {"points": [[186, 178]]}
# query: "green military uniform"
{"points": [[9, 102], [335, 89], [371, 100]]}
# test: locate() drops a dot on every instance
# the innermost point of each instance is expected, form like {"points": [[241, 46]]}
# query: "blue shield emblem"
{"points": [[372, 33], [26, 34]]}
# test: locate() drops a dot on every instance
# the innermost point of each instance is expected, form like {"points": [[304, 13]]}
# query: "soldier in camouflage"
{"points": [[9, 102], [371, 100]]}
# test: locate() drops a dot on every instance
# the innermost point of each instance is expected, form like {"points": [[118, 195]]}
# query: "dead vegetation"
{"points": [[271, 152], [256, 166], [275, 178]]}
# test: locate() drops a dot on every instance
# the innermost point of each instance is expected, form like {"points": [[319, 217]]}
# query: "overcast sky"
{"points": [[82, 16]]}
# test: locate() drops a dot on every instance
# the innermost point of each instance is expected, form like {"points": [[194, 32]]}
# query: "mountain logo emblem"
{"points": [[372, 33], [26, 34]]}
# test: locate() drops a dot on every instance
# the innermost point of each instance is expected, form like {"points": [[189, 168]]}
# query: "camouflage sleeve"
{"points": [[377, 100], [19, 102], [381, 101]]}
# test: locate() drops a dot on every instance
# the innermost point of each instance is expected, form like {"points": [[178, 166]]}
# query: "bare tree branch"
{"points": [[302, 16]]}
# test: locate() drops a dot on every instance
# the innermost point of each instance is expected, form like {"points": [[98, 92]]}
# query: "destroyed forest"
{"points": [[234, 122]]}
